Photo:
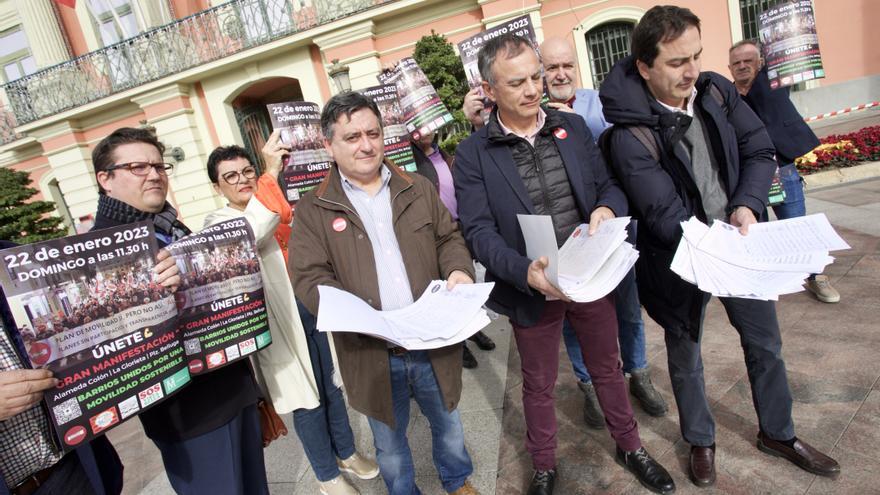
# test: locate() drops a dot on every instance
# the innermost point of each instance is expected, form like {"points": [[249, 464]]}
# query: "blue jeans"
{"points": [[324, 431], [630, 331], [412, 373], [793, 206]]}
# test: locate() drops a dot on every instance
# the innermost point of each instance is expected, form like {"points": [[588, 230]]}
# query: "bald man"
{"points": [[560, 72]]}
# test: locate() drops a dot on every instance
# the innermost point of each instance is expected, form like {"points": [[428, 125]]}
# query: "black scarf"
{"points": [[165, 222]]}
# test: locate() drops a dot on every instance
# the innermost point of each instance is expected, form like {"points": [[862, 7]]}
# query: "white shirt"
{"points": [[689, 111]]}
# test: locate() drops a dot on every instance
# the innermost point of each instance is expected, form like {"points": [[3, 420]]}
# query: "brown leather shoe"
{"points": [[801, 455], [702, 465]]}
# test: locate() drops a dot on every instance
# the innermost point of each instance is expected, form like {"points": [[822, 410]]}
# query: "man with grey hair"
{"points": [[791, 137], [384, 235], [534, 160]]}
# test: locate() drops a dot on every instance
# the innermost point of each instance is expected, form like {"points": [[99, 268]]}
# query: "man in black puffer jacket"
{"points": [[684, 144], [534, 160]]}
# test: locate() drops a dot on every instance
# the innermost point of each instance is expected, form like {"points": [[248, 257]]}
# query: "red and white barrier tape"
{"points": [[845, 110]]}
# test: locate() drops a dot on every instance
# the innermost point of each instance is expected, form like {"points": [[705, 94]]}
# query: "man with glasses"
{"points": [[297, 369], [208, 433]]}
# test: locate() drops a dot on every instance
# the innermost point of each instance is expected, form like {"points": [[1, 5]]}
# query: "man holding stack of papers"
{"points": [[532, 160], [773, 259], [588, 266], [384, 236], [684, 144]]}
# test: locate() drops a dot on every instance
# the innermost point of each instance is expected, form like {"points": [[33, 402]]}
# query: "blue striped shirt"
{"points": [[375, 213]]}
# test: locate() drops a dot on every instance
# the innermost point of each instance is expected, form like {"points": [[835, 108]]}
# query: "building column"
{"points": [[354, 46], [168, 109], [71, 161], [43, 32]]}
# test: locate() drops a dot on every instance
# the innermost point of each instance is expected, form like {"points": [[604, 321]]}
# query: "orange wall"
{"points": [[714, 20], [848, 38], [183, 8], [74, 31], [37, 166], [442, 25]]}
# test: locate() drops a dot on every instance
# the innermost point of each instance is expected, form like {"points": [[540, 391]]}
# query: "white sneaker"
{"points": [[337, 486], [821, 287], [360, 466]]}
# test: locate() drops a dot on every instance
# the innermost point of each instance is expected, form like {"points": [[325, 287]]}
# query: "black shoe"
{"points": [[482, 341], [467, 359], [592, 412], [542, 483], [648, 471]]}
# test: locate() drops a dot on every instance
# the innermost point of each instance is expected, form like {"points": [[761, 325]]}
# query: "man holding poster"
{"points": [[208, 433], [384, 235], [791, 137], [29, 463]]}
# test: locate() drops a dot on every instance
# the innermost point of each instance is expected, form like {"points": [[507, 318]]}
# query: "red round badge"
{"points": [[196, 366], [339, 224], [40, 353], [75, 435], [560, 133]]}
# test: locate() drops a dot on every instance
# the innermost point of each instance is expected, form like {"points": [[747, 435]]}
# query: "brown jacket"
{"points": [[432, 248]]}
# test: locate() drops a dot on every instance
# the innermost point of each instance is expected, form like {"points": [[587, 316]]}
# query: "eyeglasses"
{"points": [[142, 169], [233, 178]]}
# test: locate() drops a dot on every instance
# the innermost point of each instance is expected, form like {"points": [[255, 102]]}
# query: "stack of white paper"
{"points": [[586, 267], [773, 259], [438, 318]]}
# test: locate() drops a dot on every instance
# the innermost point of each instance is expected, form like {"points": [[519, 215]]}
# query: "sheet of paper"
{"points": [[341, 311], [796, 244], [436, 319], [583, 255], [606, 279], [718, 261], [477, 323], [540, 240], [439, 312]]}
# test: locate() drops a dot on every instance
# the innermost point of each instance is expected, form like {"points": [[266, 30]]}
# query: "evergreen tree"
{"points": [[24, 221], [437, 59]]}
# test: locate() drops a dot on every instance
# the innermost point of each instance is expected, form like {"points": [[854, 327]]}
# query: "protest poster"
{"points": [[469, 48], [222, 312], [308, 162], [89, 309], [422, 109], [789, 43], [397, 141]]}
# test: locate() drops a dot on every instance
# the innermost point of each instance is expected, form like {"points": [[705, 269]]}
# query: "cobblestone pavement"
{"points": [[830, 351]]}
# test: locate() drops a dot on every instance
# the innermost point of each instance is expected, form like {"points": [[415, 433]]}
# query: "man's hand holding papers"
{"points": [[440, 317], [773, 259], [590, 264]]}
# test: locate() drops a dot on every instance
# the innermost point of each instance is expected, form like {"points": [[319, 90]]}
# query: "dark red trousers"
{"points": [[595, 325]]}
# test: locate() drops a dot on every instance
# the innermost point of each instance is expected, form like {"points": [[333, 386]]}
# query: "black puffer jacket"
{"points": [[663, 194], [543, 173]]}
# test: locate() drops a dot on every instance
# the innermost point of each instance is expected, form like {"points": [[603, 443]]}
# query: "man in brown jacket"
{"points": [[383, 235]]}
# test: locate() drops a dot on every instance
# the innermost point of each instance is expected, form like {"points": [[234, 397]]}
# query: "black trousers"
{"points": [[762, 344]]}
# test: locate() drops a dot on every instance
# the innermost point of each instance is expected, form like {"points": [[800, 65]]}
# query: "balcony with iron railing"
{"points": [[189, 42]]}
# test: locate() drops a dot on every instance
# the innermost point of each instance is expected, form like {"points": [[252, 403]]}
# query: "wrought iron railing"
{"points": [[198, 39]]}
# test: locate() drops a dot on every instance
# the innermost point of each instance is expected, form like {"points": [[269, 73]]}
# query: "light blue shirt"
{"points": [[375, 213], [589, 107]]}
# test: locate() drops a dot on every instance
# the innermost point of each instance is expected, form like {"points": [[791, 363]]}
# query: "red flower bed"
{"points": [[843, 150]]}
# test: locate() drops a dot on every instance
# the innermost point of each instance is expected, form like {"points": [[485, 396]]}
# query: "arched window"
{"points": [[252, 116], [606, 44]]}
